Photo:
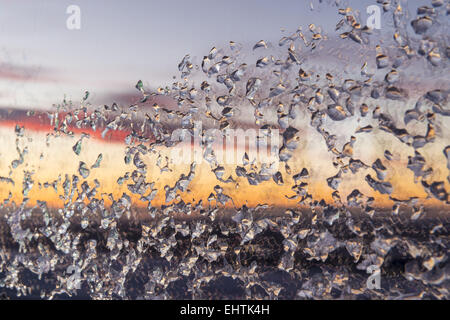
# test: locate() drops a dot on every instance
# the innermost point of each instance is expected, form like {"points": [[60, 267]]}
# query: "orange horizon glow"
{"points": [[59, 159]]}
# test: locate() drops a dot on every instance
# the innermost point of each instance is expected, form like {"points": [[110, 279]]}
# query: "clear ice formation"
{"points": [[216, 248]]}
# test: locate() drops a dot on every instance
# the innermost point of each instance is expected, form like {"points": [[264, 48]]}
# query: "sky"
{"points": [[120, 42]]}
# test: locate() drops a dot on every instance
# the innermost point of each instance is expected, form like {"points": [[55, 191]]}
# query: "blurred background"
{"points": [[119, 42]]}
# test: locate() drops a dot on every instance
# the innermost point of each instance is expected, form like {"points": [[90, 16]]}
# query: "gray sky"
{"points": [[121, 42]]}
